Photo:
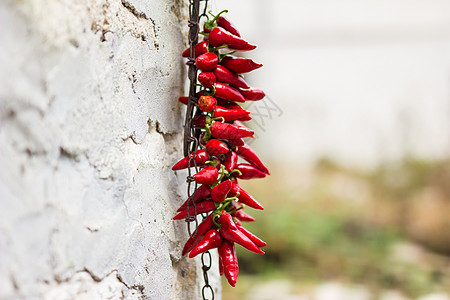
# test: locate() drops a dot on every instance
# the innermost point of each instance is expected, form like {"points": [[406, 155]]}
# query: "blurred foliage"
{"points": [[339, 224]]}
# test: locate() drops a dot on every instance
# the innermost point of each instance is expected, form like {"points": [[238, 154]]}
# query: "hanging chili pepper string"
{"points": [[213, 141]]}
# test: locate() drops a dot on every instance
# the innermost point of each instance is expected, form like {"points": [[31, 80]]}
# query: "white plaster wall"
{"points": [[89, 128]]}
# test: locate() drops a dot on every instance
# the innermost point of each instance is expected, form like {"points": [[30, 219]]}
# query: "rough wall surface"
{"points": [[89, 128]]}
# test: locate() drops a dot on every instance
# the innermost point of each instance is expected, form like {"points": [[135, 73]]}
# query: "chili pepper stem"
{"points": [[235, 210], [222, 171], [223, 205], [236, 171], [216, 215], [222, 119], [213, 49], [221, 55], [207, 133], [213, 162], [233, 198], [216, 16]]}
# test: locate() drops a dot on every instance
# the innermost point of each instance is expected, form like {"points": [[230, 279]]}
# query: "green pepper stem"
{"points": [[216, 215], [232, 198], [213, 49], [208, 133], [222, 119], [222, 172], [213, 162], [235, 210], [216, 16], [225, 204], [236, 171]]}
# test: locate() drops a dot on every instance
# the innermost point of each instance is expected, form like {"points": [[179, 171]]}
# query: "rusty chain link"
{"points": [[191, 136]]}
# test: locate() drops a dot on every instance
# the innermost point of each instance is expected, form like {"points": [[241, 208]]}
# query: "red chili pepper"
{"points": [[202, 229], [199, 121], [211, 240], [220, 265], [247, 47], [240, 125], [219, 36], [200, 158], [244, 197], [239, 65], [201, 207], [249, 155], [203, 192], [199, 49], [229, 131], [223, 102], [207, 79], [230, 114], [243, 216], [207, 103], [225, 24], [240, 238], [220, 191], [224, 75], [207, 175], [258, 242], [232, 105], [215, 147], [230, 160], [184, 100], [236, 142], [248, 172], [246, 118], [227, 252], [252, 94], [207, 61], [227, 92], [226, 220]]}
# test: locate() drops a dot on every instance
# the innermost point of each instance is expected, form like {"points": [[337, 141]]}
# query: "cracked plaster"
{"points": [[89, 127]]}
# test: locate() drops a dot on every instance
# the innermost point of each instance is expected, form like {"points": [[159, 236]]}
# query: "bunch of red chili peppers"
{"points": [[221, 143]]}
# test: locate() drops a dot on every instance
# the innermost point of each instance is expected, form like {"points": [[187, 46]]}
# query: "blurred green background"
{"points": [[383, 234]]}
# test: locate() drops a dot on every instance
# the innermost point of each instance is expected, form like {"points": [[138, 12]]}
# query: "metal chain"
{"points": [[191, 137], [190, 141], [205, 267]]}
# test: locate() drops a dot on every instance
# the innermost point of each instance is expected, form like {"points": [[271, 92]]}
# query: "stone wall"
{"points": [[89, 128]]}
